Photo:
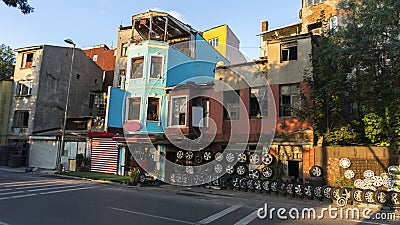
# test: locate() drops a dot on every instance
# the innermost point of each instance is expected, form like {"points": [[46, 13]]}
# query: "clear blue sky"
{"points": [[91, 22]]}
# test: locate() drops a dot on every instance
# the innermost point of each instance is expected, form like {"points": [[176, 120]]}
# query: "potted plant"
{"points": [[134, 175]]}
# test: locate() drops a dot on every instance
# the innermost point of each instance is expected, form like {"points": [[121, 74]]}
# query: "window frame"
{"points": [[158, 109], [161, 68], [129, 108], [15, 119], [19, 88], [264, 101], [25, 63], [124, 49], [287, 109], [172, 111], [292, 49], [214, 42], [226, 115], [143, 68]]}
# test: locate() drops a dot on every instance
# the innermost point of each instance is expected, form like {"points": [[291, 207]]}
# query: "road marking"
{"points": [[17, 196], [10, 193], [3, 223], [52, 188], [6, 189], [247, 219], [154, 216], [219, 214], [40, 186], [68, 190], [24, 182], [359, 221], [35, 183]]}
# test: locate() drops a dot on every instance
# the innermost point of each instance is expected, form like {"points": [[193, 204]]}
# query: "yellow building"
{"points": [[5, 102], [225, 42]]}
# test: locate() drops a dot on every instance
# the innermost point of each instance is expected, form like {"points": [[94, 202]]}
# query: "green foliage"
{"points": [[343, 182], [7, 60], [344, 135], [22, 5], [355, 78]]}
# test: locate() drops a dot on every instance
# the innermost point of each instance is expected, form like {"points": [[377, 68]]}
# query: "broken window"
{"points": [[134, 108], [231, 105], [333, 23], [27, 59], [178, 111], [21, 118], [24, 88], [289, 51], [153, 106], [289, 97], [156, 66], [124, 49], [137, 68], [258, 102], [213, 42]]}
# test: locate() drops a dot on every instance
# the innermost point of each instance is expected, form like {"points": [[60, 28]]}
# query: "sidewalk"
{"points": [[26, 170]]}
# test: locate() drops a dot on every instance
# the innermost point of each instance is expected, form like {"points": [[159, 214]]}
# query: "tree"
{"points": [[356, 73], [7, 60], [22, 5]]}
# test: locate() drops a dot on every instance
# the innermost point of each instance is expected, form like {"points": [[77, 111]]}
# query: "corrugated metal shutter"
{"points": [[104, 157]]}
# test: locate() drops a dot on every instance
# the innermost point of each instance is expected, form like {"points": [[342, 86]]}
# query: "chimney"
{"points": [[264, 26]]}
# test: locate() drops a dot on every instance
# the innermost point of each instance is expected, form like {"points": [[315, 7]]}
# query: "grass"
{"points": [[99, 176]]}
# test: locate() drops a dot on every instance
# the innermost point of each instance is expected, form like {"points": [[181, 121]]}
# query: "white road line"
{"points": [[10, 193], [219, 214], [3, 223], [40, 186], [68, 190], [52, 188], [24, 182], [6, 189], [359, 221], [17, 196], [32, 184], [153, 216], [247, 219]]}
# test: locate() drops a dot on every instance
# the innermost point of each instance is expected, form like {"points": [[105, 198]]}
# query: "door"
{"points": [[294, 169]]}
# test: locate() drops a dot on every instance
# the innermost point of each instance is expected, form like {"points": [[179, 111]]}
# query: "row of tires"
{"points": [[205, 156], [342, 195]]}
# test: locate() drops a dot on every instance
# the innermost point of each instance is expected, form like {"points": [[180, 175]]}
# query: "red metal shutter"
{"points": [[104, 156]]}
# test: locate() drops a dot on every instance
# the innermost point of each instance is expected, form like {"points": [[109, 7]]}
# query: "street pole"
{"points": [[62, 140]]}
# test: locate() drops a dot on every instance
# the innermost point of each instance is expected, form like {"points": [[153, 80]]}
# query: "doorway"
{"points": [[294, 169]]}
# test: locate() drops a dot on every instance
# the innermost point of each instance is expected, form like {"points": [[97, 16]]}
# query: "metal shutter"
{"points": [[104, 156]]}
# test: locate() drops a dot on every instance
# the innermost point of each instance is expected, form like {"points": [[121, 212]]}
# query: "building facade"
{"points": [[40, 91]]}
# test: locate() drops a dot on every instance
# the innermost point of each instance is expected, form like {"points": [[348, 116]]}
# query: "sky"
{"points": [[93, 22]]}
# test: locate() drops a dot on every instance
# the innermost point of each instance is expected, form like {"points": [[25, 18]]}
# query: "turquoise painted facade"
{"points": [[177, 68]]}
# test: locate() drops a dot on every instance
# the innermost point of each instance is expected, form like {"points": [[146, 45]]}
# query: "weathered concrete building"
{"points": [[41, 79]]}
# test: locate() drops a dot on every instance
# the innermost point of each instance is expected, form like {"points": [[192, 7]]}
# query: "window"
{"points": [[289, 51], [24, 88], [134, 108], [156, 67], [213, 42], [153, 109], [27, 60], [21, 118], [231, 105], [333, 23], [258, 102], [178, 111], [124, 49], [314, 2], [95, 58], [289, 97], [137, 68]]}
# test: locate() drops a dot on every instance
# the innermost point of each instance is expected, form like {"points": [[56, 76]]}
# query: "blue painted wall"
{"points": [[116, 108]]}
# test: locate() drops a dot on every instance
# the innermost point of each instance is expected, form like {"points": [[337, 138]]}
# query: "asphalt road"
{"points": [[36, 199]]}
